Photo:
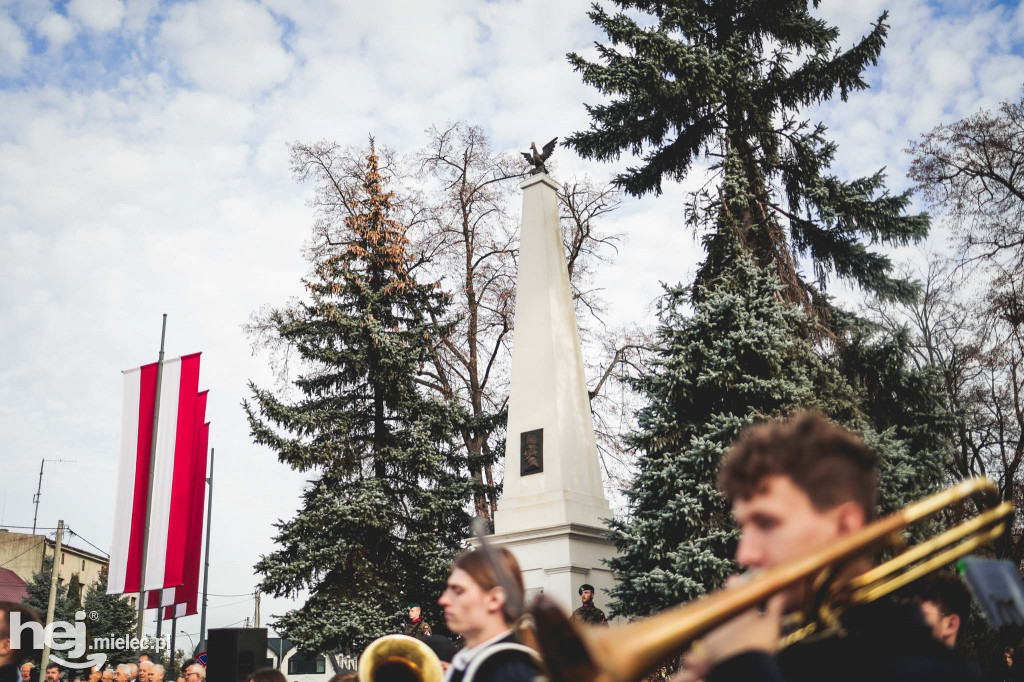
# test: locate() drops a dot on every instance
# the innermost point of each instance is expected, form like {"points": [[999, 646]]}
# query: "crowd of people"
{"points": [[794, 487]]}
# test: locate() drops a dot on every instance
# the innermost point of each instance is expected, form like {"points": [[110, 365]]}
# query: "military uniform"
{"points": [[589, 614], [419, 628]]}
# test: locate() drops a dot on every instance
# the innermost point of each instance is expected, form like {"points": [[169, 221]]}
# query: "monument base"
{"points": [[557, 559]]}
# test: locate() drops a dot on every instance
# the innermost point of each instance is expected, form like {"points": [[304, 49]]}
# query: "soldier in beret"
{"points": [[587, 612], [416, 627]]}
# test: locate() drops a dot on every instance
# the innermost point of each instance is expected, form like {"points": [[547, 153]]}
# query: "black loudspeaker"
{"points": [[232, 654]]}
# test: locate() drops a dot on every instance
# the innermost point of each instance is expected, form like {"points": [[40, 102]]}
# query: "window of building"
{"points": [[62, 558], [305, 663], [83, 564]]}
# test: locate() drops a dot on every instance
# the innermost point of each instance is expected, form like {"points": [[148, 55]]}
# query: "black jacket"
{"points": [[879, 642], [503, 666], [10, 673]]}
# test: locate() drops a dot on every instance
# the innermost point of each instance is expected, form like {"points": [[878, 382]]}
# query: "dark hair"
{"points": [[148, 656], [441, 646], [946, 590], [51, 666], [187, 662], [828, 462], [475, 563], [28, 642], [267, 675]]}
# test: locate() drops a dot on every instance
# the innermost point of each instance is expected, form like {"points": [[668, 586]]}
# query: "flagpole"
{"points": [[206, 566], [141, 629], [174, 631]]}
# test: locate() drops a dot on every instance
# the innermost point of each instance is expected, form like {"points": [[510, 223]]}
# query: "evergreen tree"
{"points": [[741, 357], [726, 79], [38, 599], [384, 515], [74, 593], [114, 617]]}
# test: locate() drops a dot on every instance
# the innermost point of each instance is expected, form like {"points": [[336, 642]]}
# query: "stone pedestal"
{"points": [[552, 506]]}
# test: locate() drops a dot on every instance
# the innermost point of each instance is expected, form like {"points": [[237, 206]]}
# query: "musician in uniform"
{"points": [[416, 627], [475, 607], [795, 487], [588, 613]]}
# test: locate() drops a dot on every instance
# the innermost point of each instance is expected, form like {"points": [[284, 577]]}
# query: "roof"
{"points": [[12, 588]]}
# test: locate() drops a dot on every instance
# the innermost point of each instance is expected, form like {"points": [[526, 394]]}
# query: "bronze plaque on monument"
{"points": [[531, 452]]}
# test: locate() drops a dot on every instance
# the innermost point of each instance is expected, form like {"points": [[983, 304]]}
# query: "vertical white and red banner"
{"points": [[173, 463], [190, 557], [186, 599]]}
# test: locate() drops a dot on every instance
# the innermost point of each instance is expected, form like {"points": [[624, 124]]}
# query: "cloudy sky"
{"points": [[143, 170]]}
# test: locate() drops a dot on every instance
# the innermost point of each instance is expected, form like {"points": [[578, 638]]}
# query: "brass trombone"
{"points": [[398, 658], [626, 653]]}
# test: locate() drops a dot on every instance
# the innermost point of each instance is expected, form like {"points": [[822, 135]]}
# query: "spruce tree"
{"points": [[384, 514], [726, 79], [114, 617], [742, 356]]}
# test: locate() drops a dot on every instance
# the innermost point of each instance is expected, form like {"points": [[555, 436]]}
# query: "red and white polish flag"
{"points": [[173, 464], [193, 535], [186, 600]]}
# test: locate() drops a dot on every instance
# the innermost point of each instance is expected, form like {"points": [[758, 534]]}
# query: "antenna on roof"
{"points": [[39, 490]]}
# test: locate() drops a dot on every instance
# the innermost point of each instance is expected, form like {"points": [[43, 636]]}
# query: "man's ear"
{"points": [[5, 647], [495, 600], [953, 625], [850, 517]]}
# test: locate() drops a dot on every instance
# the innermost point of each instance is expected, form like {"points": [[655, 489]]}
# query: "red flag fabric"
{"points": [[186, 601]]}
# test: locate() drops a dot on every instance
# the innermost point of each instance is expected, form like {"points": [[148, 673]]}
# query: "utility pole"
{"points": [[53, 590], [141, 628], [206, 554], [256, 616]]}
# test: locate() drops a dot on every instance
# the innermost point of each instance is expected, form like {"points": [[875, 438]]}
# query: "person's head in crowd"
{"points": [[414, 611], [796, 486], [26, 671], [94, 674], [945, 604], [124, 673], [144, 667], [9, 655], [52, 672], [268, 675], [156, 673], [184, 667], [107, 675], [1008, 656], [442, 647], [474, 604], [195, 673], [144, 656], [587, 594]]}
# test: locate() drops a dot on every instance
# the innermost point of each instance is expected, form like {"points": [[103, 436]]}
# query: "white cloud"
{"points": [[56, 29], [13, 46], [227, 46], [97, 15]]}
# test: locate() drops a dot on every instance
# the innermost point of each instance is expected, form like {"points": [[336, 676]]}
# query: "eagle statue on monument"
{"points": [[537, 159]]}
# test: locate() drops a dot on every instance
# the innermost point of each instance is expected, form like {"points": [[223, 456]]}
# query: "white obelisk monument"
{"points": [[552, 507]]}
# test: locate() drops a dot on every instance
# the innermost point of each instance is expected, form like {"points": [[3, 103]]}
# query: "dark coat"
{"points": [[504, 666], [878, 642]]}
